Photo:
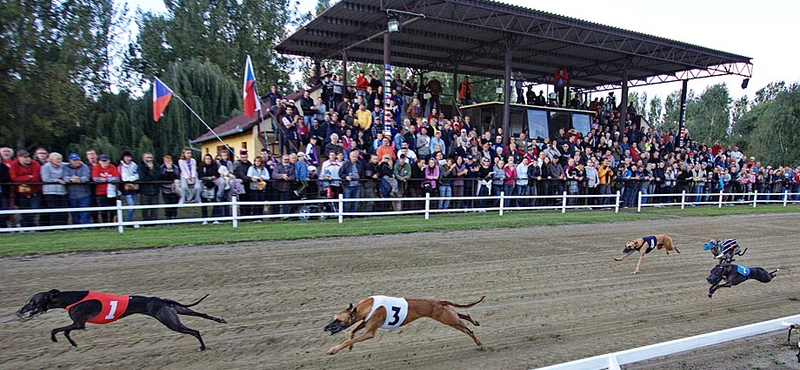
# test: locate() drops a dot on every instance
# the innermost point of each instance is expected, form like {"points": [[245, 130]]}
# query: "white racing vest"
{"points": [[396, 310]]}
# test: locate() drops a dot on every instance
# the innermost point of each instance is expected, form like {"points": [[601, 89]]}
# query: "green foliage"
{"points": [[222, 32], [53, 59], [708, 115], [775, 123], [672, 110]]}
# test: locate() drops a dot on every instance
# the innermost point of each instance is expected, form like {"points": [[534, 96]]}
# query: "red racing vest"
{"points": [[113, 306]]}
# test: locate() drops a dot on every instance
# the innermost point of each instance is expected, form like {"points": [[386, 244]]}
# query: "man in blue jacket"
{"points": [[77, 174]]}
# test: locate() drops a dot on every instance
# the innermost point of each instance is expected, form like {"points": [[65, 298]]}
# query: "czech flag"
{"points": [[251, 101], [161, 97]]}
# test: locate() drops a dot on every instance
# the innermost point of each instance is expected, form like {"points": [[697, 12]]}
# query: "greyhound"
{"points": [[724, 250], [390, 313], [99, 308], [735, 275]]}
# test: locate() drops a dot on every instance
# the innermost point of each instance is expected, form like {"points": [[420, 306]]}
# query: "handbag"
{"points": [[131, 187], [426, 96]]}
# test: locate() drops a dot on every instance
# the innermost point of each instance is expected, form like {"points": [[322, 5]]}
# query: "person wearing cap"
{"points": [[54, 194], [26, 196], [312, 191], [77, 174], [106, 175]]}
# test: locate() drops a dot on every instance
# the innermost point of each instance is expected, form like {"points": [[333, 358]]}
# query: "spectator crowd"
{"points": [[337, 144]]}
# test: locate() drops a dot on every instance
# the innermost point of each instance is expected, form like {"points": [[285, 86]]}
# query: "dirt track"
{"points": [[553, 294]]}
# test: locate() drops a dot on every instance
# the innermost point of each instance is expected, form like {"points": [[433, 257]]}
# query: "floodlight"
{"points": [[393, 25]]}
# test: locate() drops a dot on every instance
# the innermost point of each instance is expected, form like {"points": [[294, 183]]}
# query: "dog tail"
{"points": [[448, 303], [193, 304]]}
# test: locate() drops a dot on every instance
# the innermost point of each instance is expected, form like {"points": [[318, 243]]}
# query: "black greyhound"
{"points": [[87, 306], [735, 275]]}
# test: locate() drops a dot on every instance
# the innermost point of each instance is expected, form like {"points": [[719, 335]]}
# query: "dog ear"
{"points": [[52, 293], [351, 307]]}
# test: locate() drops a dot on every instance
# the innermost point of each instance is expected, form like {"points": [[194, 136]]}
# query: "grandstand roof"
{"points": [[472, 36]]}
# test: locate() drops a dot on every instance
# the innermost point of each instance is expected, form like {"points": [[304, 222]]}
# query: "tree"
{"points": [[672, 110], [223, 32], [654, 112], [708, 115], [775, 136], [53, 59]]}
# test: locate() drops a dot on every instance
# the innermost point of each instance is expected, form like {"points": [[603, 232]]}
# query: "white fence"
{"points": [[335, 208], [612, 361], [716, 199]]}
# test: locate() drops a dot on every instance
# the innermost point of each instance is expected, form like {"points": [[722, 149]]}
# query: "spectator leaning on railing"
{"points": [[54, 193], [27, 196], [77, 174], [149, 193], [128, 170]]}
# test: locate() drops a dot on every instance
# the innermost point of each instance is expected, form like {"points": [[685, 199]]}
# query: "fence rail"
{"points": [[612, 361], [336, 207]]}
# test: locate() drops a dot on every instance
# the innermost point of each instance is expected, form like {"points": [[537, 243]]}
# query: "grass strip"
{"points": [[162, 236]]}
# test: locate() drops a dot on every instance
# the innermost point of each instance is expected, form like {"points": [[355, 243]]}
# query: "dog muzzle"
{"points": [[26, 313], [336, 326], [713, 279]]}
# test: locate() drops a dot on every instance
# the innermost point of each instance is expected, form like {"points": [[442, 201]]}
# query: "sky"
{"points": [[763, 30]]}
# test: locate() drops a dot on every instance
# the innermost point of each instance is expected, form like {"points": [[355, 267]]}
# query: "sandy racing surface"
{"points": [[554, 294]]}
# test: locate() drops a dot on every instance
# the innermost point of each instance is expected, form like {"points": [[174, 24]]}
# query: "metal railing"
{"points": [[717, 199], [612, 361], [325, 208]]}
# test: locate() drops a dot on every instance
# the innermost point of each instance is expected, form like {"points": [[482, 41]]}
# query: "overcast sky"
{"points": [[763, 30]]}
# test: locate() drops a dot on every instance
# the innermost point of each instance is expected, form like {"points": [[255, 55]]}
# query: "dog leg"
{"points": [[74, 326], [451, 318], [188, 312], [641, 257], [468, 318], [372, 327], [624, 255], [714, 288], [169, 317], [360, 326]]}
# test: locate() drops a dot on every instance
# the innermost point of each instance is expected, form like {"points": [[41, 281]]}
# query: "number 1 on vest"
{"points": [[113, 310]]}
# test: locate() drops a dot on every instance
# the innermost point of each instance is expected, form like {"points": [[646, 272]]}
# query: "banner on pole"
{"points": [[387, 96]]}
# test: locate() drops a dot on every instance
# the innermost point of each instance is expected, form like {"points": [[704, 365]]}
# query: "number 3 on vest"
{"points": [[395, 315], [113, 310]]}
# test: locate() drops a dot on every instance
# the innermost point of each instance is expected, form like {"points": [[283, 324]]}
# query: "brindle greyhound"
{"points": [[735, 275], [373, 314], [87, 306]]}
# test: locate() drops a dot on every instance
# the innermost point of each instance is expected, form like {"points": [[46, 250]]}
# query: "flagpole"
{"points": [[261, 115], [233, 154]]}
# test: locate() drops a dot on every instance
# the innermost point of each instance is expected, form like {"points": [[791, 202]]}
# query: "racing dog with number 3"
{"points": [[382, 312]]}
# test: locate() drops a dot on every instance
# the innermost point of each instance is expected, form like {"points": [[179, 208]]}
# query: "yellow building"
{"points": [[245, 132]]}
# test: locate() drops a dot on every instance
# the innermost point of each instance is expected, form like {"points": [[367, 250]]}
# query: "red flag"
{"points": [[251, 102], [161, 97]]}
